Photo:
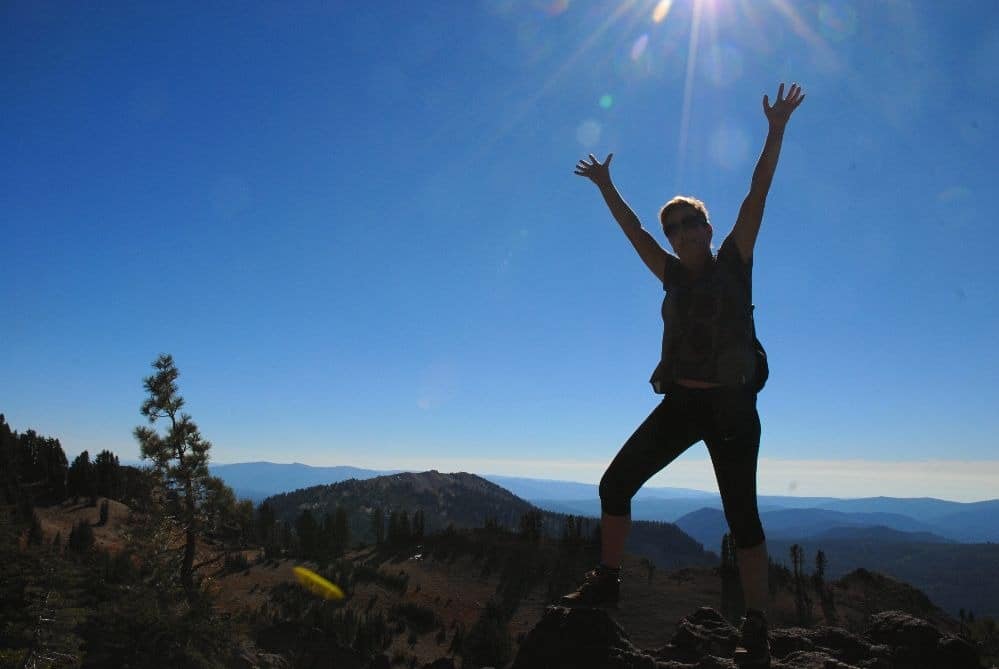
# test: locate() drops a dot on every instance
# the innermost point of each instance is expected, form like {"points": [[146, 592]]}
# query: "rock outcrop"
{"points": [[590, 639]]}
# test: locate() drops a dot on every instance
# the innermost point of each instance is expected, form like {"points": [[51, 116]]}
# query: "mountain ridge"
{"points": [[465, 500]]}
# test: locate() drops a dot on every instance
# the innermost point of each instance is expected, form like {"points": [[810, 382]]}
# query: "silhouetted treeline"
{"points": [[34, 471], [34, 467]]}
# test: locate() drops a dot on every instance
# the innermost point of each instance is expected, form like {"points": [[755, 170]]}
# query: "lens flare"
{"points": [[606, 101], [556, 7], [838, 21], [316, 584], [638, 48], [723, 64], [588, 133], [661, 11], [729, 146]]}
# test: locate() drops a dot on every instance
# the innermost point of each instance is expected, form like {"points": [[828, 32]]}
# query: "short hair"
{"points": [[683, 201]]}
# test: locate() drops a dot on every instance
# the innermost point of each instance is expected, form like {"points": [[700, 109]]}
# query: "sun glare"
{"points": [[661, 11], [648, 36]]}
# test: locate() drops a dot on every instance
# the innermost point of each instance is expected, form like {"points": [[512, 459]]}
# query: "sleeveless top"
{"points": [[708, 332]]}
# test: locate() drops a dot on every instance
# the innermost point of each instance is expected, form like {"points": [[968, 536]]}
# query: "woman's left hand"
{"points": [[779, 113]]}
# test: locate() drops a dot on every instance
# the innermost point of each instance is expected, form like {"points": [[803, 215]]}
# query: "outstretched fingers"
{"points": [[783, 105], [585, 169]]}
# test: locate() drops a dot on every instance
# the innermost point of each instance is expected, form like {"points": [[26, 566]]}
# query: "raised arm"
{"points": [[747, 226], [653, 255]]}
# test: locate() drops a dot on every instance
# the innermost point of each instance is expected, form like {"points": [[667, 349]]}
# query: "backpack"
{"points": [[762, 368], [762, 372]]}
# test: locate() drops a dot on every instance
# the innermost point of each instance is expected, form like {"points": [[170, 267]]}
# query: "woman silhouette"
{"points": [[707, 373]]}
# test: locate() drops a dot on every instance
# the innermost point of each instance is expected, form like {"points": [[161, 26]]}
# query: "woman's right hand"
{"points": [[594, 170]]}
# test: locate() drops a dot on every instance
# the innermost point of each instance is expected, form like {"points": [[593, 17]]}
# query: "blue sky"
{"points": [[356, 228]]}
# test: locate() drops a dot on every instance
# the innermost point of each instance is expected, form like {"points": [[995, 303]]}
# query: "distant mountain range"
{"points": [[909, 539], [707, 525], [258, 480], [954, 575], [975, 522]]}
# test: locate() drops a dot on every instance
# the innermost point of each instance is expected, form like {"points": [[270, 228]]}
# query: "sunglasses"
{"points": [[691, 222]]}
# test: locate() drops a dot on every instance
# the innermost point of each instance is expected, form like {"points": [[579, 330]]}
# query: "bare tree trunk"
{"points": [[187, 569]]}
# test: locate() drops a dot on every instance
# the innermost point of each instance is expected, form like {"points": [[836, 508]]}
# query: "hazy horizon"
{"points": [[696, 475]]}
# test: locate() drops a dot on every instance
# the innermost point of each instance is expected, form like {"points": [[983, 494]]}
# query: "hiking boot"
{"points": [[754, 647], [600, 588]]}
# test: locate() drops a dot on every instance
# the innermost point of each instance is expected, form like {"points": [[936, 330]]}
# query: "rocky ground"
{"points": [[589, 638]]}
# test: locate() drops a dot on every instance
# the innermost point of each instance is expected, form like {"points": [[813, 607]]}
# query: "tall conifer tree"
{"points": [[180, 457]]}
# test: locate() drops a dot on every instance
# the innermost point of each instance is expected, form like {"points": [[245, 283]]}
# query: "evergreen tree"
{"points": [[393, 527], [531, 524], [81, 537], [81, 481], [42, 463], [418, 525], [378, 524], [107, 475], [285, 535], [819, 580], [308, 534], [797, 561], [265, 525], [245, 522], [218, 511], [802, 602], [341, 530], [405, 531], [180, 457], [568, 529]]}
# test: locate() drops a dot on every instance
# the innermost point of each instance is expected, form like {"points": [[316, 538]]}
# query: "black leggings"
{"points": [[726, 419]]}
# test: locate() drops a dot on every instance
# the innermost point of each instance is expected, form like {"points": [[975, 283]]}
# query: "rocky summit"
{"points": [[590, 639]]}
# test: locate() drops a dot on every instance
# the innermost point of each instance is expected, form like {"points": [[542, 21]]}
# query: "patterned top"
{"points": [[708, 322]]}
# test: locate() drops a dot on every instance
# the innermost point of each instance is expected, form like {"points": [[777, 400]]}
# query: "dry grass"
{"points": [[456, 591], [61, 518]]}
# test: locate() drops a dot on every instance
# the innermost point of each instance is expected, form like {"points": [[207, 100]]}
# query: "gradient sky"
{"points": [[356, 228]]}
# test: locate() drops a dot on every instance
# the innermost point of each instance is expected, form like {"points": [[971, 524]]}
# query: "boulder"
{"points": [[590, 639]]}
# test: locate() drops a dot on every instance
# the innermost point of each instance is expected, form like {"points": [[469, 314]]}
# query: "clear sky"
{"points": [[356, 228]]}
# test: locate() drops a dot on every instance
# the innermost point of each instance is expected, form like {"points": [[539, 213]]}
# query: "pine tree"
{"points": [[819, 575], [797, 561], [341, 530], [405, 532], [802, 602], [265, 524], [531, 524], [393, 527], [418, 524], [180, 457], [81, 481], [308, 534], [107, 475], [378, 524], [81, 537]]}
